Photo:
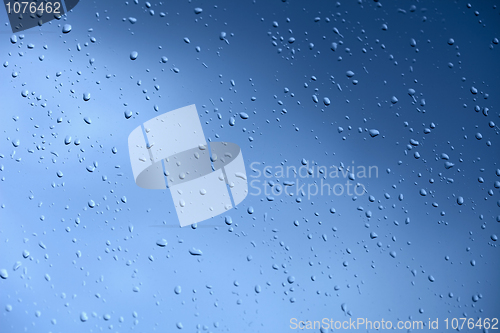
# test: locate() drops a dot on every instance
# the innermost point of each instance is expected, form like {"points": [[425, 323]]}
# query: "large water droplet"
{"points": [[66, 28], [195, 252], [84, 317]]}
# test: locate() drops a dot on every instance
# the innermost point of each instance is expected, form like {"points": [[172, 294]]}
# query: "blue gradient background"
{"points": [[104, 261]]}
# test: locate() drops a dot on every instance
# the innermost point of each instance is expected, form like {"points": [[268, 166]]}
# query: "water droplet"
{"points": [[134, 55], [66, 28], [84, 317], [127, 114], [195, 252], [3, 273], [460, 200], [250, 210], [25, 93], [291, 279], [91, 204], [13, 40], [431, 278], [349, 73], [164, 59], [132, 20], [243, 115], [161, 242], [177, 290], [87, 120], [86, 96], [326, 101], [394, 100], [373, 133], [198, 10]]}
